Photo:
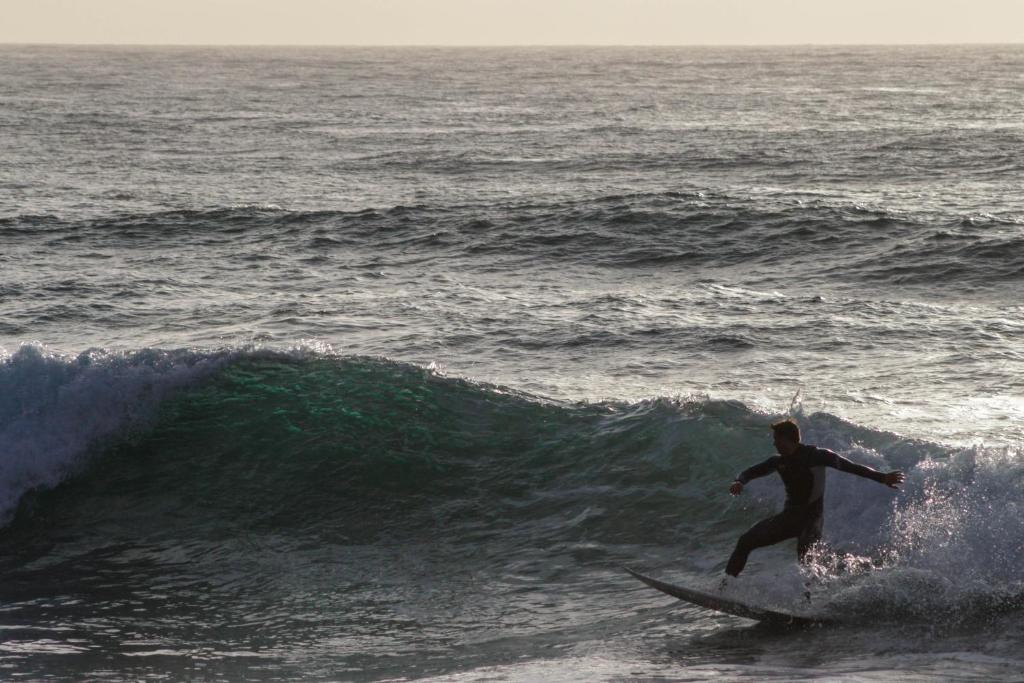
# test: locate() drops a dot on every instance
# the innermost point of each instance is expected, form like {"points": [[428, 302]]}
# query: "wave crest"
{"points": [[357, 450]]}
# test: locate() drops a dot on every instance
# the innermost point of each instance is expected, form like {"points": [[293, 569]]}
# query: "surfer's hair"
{"points": [[787, 429]]}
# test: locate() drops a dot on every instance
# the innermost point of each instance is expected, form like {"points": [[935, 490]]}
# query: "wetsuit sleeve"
{"points": [[761, 469], [834, 460]]}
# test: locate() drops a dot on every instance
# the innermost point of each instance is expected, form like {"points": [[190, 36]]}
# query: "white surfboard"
{"points": [[721, 603]]}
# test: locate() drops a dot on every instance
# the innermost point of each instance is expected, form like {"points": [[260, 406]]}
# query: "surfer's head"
{"points": [[786, 435]]}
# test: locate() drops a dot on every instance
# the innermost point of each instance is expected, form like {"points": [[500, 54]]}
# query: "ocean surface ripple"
{"points": [[378, 364]]}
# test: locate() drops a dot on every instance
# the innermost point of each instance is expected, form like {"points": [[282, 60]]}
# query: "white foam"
{"points": [[55, 410], [950, 539]]}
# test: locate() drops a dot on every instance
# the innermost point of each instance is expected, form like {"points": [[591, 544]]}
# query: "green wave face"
{"points": [[358, 449]]}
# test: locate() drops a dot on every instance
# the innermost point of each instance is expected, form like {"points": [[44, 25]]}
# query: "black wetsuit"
{"points": [[803, 474]]}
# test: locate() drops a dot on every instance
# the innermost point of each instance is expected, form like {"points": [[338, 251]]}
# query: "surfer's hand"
{"points": [[893, 478], [736, 487]]}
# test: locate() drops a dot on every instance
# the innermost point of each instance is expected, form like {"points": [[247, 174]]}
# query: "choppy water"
{"points": [[362, 364]]}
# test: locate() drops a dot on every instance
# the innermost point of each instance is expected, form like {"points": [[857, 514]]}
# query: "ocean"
{"points": [[379, 364]]}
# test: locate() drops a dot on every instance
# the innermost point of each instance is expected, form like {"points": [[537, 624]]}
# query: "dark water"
{"points": [[377, 364]]}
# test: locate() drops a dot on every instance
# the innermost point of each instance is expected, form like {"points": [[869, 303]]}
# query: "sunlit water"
{"points": [[363, 364]]}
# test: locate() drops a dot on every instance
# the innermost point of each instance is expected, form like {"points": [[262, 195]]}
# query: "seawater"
{"points": [[376, 364]]}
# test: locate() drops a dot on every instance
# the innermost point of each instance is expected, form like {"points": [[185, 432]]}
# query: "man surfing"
{"points": [[802, 468]]}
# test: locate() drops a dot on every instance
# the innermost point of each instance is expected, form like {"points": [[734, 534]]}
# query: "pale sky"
{"points": [[511, 22]]}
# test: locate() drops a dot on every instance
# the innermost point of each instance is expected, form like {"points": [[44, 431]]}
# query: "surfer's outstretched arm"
{"points": [[890, 479], [761, 469]]}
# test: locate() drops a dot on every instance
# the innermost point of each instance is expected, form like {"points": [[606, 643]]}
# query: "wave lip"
{"points": [[55, 410]]}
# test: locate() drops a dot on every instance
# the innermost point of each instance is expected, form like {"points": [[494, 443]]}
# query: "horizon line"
{"points": [[510, 45]]}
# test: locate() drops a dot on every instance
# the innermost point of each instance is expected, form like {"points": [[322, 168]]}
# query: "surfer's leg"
{"points": [[766, 532], [810, 533]]}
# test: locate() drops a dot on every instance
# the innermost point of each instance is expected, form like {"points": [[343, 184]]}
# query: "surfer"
{"points": [[802, 468]]}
